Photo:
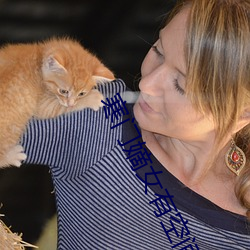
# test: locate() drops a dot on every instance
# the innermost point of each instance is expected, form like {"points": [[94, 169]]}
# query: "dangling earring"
{"points": [[235, 158]]}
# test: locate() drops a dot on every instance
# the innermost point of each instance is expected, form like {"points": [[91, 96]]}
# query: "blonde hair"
{"points": [[217, 51]]}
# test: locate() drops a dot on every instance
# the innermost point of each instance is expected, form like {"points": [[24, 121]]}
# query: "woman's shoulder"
{"points": [[82, 132], [111, 88]]}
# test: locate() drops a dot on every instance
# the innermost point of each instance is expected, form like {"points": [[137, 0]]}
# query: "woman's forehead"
{"points": [[174, 33], [173, 37], [179, 21]]}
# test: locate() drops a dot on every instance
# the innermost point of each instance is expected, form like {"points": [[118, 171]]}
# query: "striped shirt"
{"points": [[113, 194]]}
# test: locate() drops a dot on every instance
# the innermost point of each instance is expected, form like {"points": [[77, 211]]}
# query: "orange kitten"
{"points": [[44, 80]]}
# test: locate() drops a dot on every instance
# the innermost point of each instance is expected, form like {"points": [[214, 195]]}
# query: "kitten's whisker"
{"points": [[150, 44]]}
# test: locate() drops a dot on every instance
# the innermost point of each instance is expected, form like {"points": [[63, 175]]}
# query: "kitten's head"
{"points": [[70, 72]]}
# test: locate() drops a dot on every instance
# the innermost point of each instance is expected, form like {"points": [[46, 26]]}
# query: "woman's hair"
{"points": [[217, 53]]}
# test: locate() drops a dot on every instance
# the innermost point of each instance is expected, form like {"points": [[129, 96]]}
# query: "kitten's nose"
{"points": [[71, 102]]}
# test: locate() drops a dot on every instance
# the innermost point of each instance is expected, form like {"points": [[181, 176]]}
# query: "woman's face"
{"points": [[163, 106]]}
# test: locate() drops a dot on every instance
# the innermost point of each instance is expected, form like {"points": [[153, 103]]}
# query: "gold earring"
{"points": [[235, 158]]}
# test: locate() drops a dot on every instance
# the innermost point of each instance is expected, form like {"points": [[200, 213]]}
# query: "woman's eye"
{"points": [[178, 88], [155, 49], [63, 91]]}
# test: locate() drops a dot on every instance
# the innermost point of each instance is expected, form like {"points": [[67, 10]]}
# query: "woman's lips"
{"points": [[144, 105]]}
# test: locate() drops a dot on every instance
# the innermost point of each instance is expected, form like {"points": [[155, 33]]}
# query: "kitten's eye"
{"points": [[82, 94], [63, 91]]}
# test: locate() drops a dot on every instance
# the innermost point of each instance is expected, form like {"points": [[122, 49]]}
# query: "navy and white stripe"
{"points": [[101, 204]]}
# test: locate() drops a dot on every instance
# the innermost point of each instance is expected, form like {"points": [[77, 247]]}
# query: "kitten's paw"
{"points": [[15, 156], [97, 97]]}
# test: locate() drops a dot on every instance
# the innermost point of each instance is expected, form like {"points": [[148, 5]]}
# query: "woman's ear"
{"points": [[243, 121]]}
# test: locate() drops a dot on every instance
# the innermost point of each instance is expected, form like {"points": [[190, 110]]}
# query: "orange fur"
{"points": [[44, 80]]}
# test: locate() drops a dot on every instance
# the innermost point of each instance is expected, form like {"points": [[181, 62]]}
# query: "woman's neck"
{"points": [[187, 160], [189, 163]]}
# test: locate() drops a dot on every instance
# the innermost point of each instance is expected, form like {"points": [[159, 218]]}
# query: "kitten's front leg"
{"points": [[91, 100], [50, 107]]}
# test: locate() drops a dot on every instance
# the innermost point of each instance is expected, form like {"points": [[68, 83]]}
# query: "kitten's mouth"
{"points": [[68, 104], [63, 104]]}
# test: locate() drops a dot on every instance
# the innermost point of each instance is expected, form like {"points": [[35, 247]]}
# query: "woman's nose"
{"points": [[151, 82]]}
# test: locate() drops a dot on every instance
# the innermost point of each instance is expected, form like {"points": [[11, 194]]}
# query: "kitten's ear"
{"points": [[51, 65]]}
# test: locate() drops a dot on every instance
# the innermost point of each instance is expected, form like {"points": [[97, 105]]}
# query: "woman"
{"points": [[173, 177]]}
